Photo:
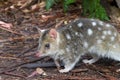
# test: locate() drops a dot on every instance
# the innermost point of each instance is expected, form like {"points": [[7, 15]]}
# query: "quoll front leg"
{"points": [[67, 67], [69, 64], [57, 64]]}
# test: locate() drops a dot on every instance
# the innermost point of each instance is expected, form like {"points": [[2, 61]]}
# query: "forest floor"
{"points": [[19, 42]]}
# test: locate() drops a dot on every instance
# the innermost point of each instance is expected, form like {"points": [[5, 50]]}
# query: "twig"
{"points": [[16, 75], [57, 25], [12, 68], [12, 39], [102, 73], [40, 64], [19, 38], [10, 31], [27, 50], [28, 3], [79, 70], [109, 77], [1, 57], [32, 61]]}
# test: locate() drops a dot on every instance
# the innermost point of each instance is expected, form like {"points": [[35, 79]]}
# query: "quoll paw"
{"points": [[63, 70]]}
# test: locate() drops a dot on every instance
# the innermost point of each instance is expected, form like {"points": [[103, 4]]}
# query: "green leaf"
{"points": [[94, 9], [49, 4], [66, 4]]}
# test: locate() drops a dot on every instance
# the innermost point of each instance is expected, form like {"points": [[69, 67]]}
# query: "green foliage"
{"points": [[93, 9], [66, 3], [49, 4]]}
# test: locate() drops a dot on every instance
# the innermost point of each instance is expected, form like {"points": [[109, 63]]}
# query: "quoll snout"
{"points": [[79, 37], [38, 54]]}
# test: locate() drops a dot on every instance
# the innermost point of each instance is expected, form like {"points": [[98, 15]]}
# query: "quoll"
{"points": [[77, 38]]}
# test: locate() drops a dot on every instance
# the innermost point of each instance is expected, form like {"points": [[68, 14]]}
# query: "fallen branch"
{"points": [[11, 39], [79, 70], [10, 31], [19, 38], [1, 57], [28, 3], [57, 25], [12, 68], [16, 75], [102, 73], [27, 51], [109, 77], [5, 25]]}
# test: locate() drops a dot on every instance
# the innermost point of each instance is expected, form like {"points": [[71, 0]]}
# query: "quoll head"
{"points": [[47, 43]]}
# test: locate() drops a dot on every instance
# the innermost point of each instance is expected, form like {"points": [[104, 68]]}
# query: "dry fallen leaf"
{"points": [[118, 70], [5, 25], [46, 17], [42, 4], [37, 71], [26, 10], [65, 22], [40, 71], [34, 7]]}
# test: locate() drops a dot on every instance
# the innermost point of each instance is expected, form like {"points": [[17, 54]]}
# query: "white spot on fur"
{"points": [[108, 25], [99, 41], [75, 44], [90, 32], [67, 49], [115, 34], [68, 36], [92, 19], [114, 46], [99, 29], [85, 44], [80, 24], [76, 33], [112, 38], [81, 35], [105, 32], [103, 37], [94, 23], [70, 26], [109, 32], [101, 23]]}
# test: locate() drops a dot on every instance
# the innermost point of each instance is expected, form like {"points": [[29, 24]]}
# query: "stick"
{"points": [[1, 57], [16, 75], [10, 31], [12, 68]]}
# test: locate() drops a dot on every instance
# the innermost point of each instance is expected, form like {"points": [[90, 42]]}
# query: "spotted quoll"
{"points": [[77, 38]]}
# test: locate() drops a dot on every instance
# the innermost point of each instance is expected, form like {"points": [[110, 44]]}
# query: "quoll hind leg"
{"points": [[91, 61]]}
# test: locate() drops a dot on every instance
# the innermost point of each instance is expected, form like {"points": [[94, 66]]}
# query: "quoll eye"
{"points": [[47, 45]]}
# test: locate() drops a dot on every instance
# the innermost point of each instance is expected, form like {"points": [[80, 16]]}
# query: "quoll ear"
{"points": [[53, 33]]}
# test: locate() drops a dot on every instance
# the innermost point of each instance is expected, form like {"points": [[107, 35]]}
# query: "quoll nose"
{"points": [[38, 54]]}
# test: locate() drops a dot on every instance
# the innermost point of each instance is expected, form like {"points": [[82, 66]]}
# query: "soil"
{"points": [[19, 43]]}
